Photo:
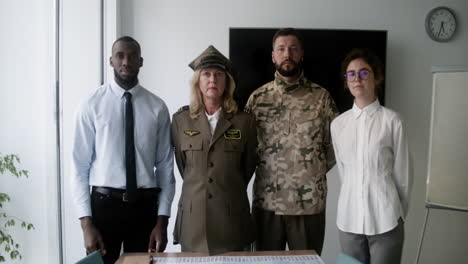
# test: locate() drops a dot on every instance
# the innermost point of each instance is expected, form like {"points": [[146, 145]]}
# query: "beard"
{"points": [[127, 80], [296, 68]]}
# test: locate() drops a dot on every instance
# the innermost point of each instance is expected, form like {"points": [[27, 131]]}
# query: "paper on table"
{"points": [[297, 259]]}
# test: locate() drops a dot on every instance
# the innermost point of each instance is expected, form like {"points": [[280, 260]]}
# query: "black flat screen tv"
{"points": [[324, 50]]}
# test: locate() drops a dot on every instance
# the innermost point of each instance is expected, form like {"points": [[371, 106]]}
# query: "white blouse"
{"points": [[373, 162], [213, 119]]}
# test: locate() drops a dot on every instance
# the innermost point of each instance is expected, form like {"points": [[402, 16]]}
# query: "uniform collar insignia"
{"points": [[191, 132], [233, 134], [282, 85]]}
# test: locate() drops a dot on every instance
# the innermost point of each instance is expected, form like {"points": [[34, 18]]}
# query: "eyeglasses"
{"points": [[352, 75]]}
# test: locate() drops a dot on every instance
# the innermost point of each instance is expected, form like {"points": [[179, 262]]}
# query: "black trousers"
{"points": [[123, 224]]}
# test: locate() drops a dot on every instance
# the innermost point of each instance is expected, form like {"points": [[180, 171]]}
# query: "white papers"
{"points": [[295, 259]]}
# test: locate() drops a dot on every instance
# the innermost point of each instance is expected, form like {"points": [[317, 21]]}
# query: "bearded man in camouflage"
{"points": [[295, 151]]}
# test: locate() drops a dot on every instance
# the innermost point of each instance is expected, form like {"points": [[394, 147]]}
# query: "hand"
{"points": [[158, 237], [92, 238]]}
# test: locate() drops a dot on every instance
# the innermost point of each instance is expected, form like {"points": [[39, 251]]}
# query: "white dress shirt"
{"points": [[98, 147], [373, 163], [213, 119]]}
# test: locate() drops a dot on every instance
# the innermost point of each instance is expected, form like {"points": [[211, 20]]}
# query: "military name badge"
{"points": [[232, 134], [191, 132]]}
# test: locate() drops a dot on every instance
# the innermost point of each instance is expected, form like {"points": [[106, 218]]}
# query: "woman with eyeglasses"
{"points": [[373, 162]]}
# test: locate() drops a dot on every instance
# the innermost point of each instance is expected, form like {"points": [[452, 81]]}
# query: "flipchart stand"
{"points": [[447, 173]]}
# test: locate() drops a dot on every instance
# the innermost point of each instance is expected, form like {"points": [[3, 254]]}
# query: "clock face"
{"points": [[441, 24]]}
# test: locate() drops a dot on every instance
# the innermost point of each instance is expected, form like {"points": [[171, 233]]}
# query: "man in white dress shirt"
{"points": [[122, 165]]}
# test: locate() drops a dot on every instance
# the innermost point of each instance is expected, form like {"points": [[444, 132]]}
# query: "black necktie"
{"points": [[130, 149]]}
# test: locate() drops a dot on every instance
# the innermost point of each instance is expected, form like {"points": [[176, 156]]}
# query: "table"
{"points": [[143, 258]]}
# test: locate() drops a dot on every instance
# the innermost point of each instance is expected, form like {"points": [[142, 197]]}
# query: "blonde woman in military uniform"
{"points": [[215, 149]]}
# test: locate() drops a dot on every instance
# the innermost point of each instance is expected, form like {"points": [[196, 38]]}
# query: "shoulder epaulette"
{"points": [[311, 85], [182, 109]]}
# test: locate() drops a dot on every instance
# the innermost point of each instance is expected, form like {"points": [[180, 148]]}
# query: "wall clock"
{"points": [[441, 24]]}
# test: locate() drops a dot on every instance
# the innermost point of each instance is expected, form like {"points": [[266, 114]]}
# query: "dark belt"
{"points": [[121, 194]]}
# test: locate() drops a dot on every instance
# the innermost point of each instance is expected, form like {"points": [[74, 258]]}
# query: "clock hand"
{"points": [[441, 28]]}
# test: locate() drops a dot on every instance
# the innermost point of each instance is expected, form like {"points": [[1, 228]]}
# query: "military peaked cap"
{"points": [[211, 57]]}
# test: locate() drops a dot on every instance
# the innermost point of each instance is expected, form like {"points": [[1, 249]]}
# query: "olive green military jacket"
{"points": [[213, 211]]}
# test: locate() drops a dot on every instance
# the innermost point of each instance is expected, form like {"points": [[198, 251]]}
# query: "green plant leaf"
{"points": [[14, 254], [4, 198], [9, 165]]}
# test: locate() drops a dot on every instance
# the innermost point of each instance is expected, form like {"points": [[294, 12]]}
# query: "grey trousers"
{"points": [[377, 249], [300, 232], [246, 248]]}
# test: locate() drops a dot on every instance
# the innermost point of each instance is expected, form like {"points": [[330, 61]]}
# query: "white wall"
{"points": [[173, 32], [80, 74], [28, 125]]}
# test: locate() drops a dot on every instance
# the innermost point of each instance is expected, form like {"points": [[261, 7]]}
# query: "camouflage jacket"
{"points": [[295, 150]]}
